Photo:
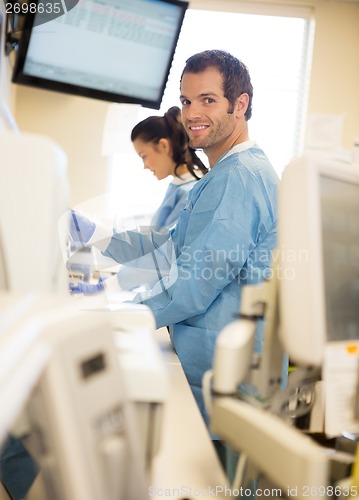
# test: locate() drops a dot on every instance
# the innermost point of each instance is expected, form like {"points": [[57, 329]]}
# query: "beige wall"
{"points": [[334, 85], [76, 123]]}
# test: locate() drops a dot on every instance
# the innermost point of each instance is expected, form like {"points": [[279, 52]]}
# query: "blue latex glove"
{"points": [[81, 228], [86, 288]]}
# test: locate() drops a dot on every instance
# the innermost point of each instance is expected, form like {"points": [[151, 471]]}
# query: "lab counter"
{"points": [[187, 465]]}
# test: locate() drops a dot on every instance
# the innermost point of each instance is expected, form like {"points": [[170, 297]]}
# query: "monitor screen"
{"points": [[318, 236], [114, 50], [340, 241]]}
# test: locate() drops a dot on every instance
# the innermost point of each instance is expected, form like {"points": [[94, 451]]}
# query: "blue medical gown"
{"points": [[223, 240], [145, 271], [175, 200]]}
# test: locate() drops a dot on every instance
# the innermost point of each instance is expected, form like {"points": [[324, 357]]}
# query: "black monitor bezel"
{"points": [[19, 77]]}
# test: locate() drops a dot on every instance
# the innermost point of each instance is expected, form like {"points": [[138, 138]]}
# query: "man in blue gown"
{"points": [[225, 236]]}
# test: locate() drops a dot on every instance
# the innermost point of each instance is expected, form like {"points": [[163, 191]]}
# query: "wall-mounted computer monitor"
{"points": [[319, 248], [114, 50]]}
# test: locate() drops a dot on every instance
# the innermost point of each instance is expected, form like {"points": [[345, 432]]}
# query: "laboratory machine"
{"points": [[289, 429], [82, 385], [34, 195], [63, 370]]}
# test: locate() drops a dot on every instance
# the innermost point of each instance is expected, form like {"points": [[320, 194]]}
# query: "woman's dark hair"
{"points": [[236, 78], [169, 126]]}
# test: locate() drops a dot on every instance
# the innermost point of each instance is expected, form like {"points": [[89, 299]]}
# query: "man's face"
{"points": [[205, 110]]}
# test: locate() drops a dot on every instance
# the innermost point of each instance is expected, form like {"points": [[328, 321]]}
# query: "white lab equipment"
{"points": [[99, 440], [146, 382], [23, 356], [235, 361], [319, 240], [34, 194], [288, 459], [145, 375], [82, 427], [313, 299]]}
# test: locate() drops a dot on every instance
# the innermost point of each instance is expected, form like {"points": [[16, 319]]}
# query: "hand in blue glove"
{"points": [[86, 288], [81, 228]]}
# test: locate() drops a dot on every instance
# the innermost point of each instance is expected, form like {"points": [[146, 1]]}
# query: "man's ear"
{"points": [[241, 105]]}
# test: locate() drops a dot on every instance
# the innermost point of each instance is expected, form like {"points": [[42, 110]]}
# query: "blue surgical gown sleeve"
{"points": [[176, 198], [133, 244], [146, 255]]}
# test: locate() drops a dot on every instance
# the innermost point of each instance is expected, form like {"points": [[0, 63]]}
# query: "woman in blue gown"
{"points": [[162, 144]]}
